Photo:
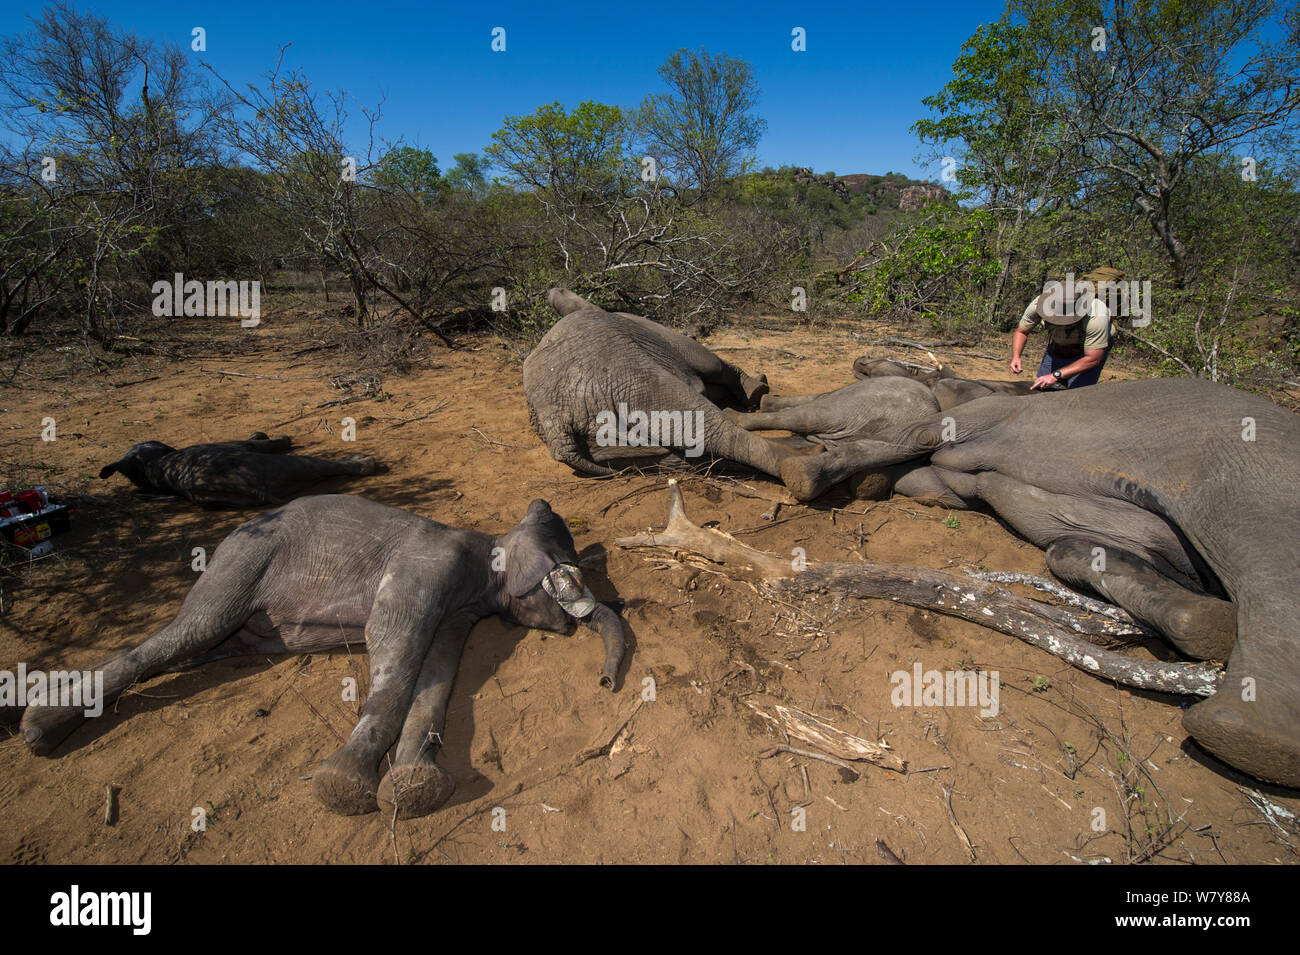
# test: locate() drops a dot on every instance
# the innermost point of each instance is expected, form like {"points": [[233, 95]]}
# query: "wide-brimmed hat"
{"points": [[1057, 309], [1107, 274]]}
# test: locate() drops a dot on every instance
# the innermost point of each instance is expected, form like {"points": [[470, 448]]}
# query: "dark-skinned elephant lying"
{"points": [[331, 570], [1163, 496], [230, 473], [608, 387]]}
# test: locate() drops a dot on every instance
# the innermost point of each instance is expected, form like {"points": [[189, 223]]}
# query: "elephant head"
{"points": [[135, 463], [542, 586]]}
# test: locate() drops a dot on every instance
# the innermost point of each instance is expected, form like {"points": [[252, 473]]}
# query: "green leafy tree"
{"points": [[469, 175], [704, 129], [1165, 83], [414, 171], [572, 156]]}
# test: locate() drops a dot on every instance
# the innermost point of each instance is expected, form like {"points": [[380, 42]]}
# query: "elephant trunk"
{"points": [[607, 623]]}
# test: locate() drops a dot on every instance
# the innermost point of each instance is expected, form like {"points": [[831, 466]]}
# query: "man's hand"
{"points": [[1043, 381], [1018, 341]]}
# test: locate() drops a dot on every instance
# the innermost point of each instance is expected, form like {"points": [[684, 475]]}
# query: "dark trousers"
{"points": [[1051, 362]]}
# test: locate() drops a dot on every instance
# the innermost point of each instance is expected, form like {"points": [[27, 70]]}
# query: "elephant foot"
{"points": [[45, 727], [754, 389], [803, 475], [871, 485], [1205, 629], [1247, 735], [364, 464], [345, 786], [416, 790]]}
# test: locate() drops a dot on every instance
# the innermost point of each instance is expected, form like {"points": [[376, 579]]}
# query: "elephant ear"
{"points": [[533, 548]]}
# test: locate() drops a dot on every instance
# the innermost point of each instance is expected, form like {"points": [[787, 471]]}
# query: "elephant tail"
{"points": [[565, 450]]}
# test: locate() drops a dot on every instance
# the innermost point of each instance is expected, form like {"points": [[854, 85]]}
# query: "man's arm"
{"points": [[1028, 321], [1091, 359]]}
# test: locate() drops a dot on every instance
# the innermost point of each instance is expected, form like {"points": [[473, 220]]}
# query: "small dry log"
{"points": [[819, 733], [1051, 628]]}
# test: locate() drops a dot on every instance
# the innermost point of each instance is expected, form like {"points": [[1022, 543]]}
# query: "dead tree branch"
{"points": [[1054, 629]]}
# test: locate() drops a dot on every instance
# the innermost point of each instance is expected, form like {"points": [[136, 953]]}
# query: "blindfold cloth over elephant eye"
{"points": [[565, 585]]}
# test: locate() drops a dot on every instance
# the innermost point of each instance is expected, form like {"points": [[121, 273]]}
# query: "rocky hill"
{"points": [[883, 192]]}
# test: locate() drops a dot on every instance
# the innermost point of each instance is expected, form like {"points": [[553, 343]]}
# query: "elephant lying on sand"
{"points": [[949, 390], [604, 386], [868, 408], [331, 570], [1158, 494], [232, 473]]}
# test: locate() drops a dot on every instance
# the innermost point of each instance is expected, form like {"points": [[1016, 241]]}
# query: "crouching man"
{"points": [[1080, 331]]}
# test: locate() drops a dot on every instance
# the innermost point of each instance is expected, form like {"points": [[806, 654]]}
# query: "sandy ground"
{"points": [[1071, 768]]}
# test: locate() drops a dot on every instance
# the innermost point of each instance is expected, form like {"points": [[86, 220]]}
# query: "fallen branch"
{"points": [[1051, 628], [776, 750], [952, 818], [1064, 594], [821, 734], [222, 373], [490, 441]]}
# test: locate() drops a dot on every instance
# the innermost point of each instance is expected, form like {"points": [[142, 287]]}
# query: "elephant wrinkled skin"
{"points": [[1185, 489], [594, 365], [330, 570]]}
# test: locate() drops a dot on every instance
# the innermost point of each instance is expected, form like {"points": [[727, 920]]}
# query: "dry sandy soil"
{"points": [[1071, 769]]}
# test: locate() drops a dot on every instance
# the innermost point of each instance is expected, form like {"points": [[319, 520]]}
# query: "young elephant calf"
{"points": [[331, 570], [232, 473]]}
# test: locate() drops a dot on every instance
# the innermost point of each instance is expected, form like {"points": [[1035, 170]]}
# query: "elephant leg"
{"points": [[398, 637], [710, 367], [781, 403], [283, 479], [259, 443], [1253, 722], [808, 476], [801, 419], [738, 383], [215, 607], [1202, 627], [566, 449], [415, 783], [926, 483], [257, 637], [951, 392], [725, 440]]}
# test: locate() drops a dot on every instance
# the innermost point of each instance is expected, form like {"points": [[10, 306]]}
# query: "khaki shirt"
{"points": [[1093, 333]]}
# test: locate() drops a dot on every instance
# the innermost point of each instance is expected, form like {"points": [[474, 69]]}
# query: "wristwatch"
{"points": [[1056, 375]]}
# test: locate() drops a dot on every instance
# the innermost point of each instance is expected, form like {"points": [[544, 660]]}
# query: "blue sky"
{"points": [[844, 105]]}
